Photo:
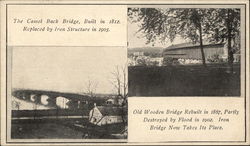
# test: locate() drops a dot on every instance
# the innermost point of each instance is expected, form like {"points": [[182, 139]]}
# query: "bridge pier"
{"points": [[83, 104], [37, 99], [52, 101], [73, 104], [25, 96]]}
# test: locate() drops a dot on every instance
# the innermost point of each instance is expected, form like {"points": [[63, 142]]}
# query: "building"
{"points": [[115, 100], [157, 61], [145, 61], [193, 51], [104, 115], [110, 101], [138, 53]]}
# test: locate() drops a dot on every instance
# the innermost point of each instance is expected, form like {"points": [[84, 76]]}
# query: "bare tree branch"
{"points": [[119, 80], [91, 87]]}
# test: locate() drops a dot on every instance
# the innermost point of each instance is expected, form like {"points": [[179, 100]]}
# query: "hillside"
{"points": [[146, 49]]}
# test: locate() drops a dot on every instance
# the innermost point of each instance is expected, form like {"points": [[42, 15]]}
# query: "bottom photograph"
{"points": [[78, 93]]}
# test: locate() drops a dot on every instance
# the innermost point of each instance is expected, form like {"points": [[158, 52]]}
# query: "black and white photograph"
{"points": [[184, 51], [68, 92]]}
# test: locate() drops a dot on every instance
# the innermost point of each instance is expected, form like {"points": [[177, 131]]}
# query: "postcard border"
{"points": [[128, 4]]}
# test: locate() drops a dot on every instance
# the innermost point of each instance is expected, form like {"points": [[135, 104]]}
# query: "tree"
{"points": [[90, 87], [119, 80], [223, 26], [120, 84], [167, 24]]}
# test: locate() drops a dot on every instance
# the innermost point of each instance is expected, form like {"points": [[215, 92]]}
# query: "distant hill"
{"points": [[146, 49]]}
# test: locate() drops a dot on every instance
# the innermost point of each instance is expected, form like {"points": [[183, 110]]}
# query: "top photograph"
{"points": [[185, 51]]}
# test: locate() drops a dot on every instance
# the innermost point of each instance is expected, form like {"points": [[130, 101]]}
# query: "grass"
{"points": [[192, 80]]}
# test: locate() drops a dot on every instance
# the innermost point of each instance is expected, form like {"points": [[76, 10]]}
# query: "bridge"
{"points": [[75, 100]]}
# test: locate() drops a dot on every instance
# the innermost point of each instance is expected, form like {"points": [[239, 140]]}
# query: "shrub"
{"points": [[215, 59], [168, 61]]}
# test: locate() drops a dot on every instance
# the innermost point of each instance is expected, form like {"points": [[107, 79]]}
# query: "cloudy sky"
{"points": [[65, 69]]}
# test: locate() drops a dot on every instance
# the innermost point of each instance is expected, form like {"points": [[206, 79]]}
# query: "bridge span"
{"points": [[74, 100]]}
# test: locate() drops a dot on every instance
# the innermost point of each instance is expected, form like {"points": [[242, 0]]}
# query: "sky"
{"points": [[65, 69], [136, 38]]}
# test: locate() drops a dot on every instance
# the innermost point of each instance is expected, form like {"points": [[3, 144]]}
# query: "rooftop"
{"points": [[191, 45], [112, 111]]}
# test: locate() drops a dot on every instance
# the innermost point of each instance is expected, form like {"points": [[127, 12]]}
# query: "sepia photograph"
{"points": [[68, 92], [184, 51], [124, 72]]}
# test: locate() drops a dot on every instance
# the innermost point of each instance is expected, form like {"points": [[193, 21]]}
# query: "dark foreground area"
{"points": [[77, 128], [43, 129], [191, 80]]}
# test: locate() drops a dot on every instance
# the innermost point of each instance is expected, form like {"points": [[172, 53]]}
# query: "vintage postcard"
{"points": [[124, 72]]}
